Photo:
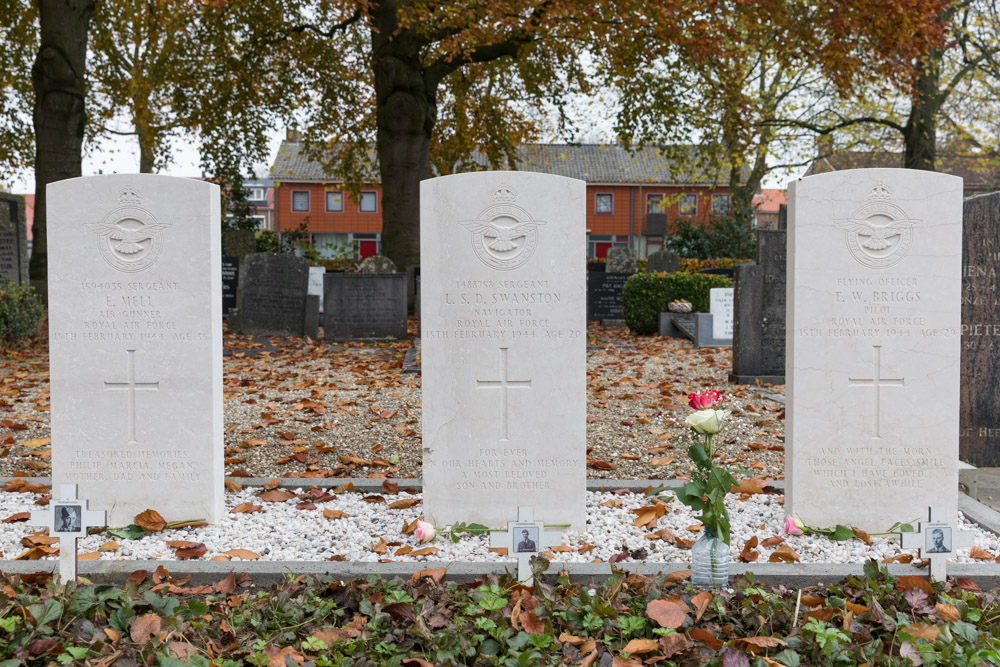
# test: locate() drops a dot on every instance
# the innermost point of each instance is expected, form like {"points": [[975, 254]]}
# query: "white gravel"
{"points": [[280, 532]]}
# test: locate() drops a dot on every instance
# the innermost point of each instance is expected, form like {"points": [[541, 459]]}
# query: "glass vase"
{"points": [[710, 562]]}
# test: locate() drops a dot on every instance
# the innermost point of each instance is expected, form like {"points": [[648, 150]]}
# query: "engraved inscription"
{"points": [[876, 382], [129, 237], [131, 386], [504, 236], [503, 384], [879, 233]]}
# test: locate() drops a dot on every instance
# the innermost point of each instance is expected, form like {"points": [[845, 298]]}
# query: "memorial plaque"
{"points": [[604, 295], [13, 239], [360, 306], [230, 283], [720, 305], [759, 313], [272, 301], [503, 347], [873, 346], [135, 344], [980, 399], [315, 288]]}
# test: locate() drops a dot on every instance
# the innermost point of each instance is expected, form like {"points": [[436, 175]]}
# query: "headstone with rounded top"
{"points": [[663, 261], [13, 239], [620, 259], [377, 264]]}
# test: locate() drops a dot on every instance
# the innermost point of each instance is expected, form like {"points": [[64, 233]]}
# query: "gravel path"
{"points": [[373, 531], [295, 409]]}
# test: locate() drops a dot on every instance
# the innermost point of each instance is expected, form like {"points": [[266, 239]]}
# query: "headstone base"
{"points": [[756, 379]]}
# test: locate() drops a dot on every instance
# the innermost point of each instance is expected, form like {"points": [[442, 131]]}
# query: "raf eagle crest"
{"points": [[879, 233], [504, 236], [129, 238]]}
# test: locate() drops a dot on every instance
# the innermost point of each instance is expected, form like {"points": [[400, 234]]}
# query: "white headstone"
{"points": [[316, 274], [135, 344], [874, 280], [503, 348], [720, 305]]}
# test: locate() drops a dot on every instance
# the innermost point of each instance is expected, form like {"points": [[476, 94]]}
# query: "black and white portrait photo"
{"points": [[938, 541], [68, 518], [527, 540]]}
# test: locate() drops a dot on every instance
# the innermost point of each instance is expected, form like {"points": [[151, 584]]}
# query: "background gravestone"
{"points": [[979, 439], [875, 264], [759, 311], [135, 344], [239, 243], [230, 283], [604, 296], [720, 301], [360, 306], [663, 260], [620, 259], [272, 301], [377, 264], [13, 239], [503, 347]]}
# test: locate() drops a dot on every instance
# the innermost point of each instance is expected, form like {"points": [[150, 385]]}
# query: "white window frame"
{"points": [[326, 201], [611, 203], [654, 197], [308, 201], [724, 196], [256, 193], [694, 212], [361, 199]]}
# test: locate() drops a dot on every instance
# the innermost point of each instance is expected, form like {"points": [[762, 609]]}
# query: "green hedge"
{"points": [[646, 295], [21, 313]]}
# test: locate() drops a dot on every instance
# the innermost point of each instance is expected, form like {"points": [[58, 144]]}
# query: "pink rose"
{"points": [[424, 531], [793, 526], [708, 398]]}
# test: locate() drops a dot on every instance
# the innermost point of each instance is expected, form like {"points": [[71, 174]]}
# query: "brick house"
{"points": [[633, 199]]}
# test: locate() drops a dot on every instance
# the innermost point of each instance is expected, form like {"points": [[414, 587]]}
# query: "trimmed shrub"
{"points": [[21, 313], [646, 295]]}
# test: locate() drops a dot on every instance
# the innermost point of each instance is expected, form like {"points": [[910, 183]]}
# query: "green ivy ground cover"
{"points": [[628, 621]]}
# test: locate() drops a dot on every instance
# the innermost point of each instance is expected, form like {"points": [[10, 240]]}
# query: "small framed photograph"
{"points": [[525, 539], [68, 518], [938, 540]]}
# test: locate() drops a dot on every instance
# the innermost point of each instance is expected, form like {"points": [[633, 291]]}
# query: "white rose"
{"points": [[707, 421]]}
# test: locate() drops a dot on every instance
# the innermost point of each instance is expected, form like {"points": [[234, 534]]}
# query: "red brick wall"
{"points": [[319, 220], [352, 220]]}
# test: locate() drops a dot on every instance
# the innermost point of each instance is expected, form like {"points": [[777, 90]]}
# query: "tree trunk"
{"points": [[58, 76], [406, 116], [920, 133], [146, 144]]}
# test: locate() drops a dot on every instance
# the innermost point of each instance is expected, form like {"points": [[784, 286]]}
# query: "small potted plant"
{"points": [[706, 492]]}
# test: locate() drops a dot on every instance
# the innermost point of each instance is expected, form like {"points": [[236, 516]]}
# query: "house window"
{"points": [[334, 201], [720, 205], [260, 220], [604, 203], [300, 200], [368, 203], [688, 205], [654, 203], [255, 194]]}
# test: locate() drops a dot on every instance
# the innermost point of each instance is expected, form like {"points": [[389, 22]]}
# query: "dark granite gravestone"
{"points": [[759, 325], [13, 239], [620, 259], [230, 281], [360, 306], [377, 264], [604, 295], [663, 260], [238, 243], [979, 421], [273, 299]]}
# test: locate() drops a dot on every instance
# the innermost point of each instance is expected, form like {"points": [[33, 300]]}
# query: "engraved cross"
{"points": [[131, 386], [876, 382], [503, 384]]}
